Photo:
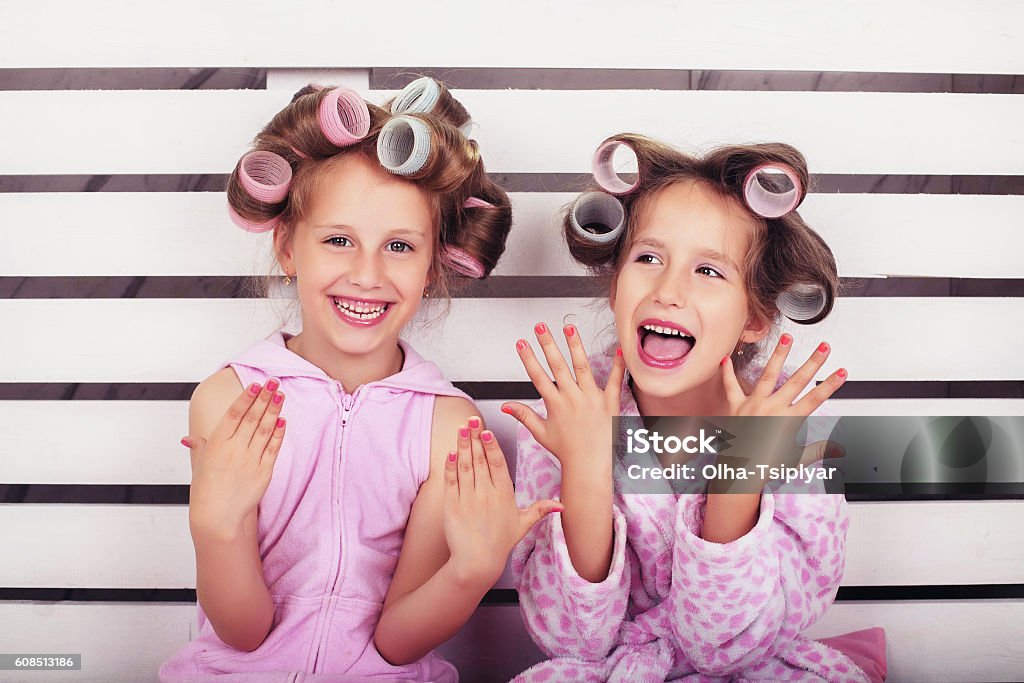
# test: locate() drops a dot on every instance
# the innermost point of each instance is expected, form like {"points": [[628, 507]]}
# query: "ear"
{"points": [[283, 250], [757, 328]]}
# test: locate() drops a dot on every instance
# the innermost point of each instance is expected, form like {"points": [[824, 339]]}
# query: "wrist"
{"points": [[472, 579], [221, 530]]}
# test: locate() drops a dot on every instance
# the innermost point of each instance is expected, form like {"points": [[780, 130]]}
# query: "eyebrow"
{"points": [[710, 253]]}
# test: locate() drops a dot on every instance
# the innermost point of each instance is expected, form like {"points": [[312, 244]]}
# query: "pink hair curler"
{"points": [[597, 217], [475, 202], [462, 262], [419, 97], [298, 153], [604, 171], [344, 117], [250, 226], [801, 303], [403, 145], [772, 201], [265, 176]]}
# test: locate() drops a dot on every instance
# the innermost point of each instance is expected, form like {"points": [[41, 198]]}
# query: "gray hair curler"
{"points": [[801, 302], [403, 145], [419, 97], [597, 217]]}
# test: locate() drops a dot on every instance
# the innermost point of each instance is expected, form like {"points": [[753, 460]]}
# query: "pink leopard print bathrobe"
{"points": [[675, 607]]}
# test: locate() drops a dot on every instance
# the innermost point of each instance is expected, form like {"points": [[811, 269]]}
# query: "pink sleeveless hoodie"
{"points": [[330, 524]]}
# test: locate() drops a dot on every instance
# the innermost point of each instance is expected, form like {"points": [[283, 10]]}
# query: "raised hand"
{"points": [[481, 520], [766, 400], [578, 428], [231, 471]]}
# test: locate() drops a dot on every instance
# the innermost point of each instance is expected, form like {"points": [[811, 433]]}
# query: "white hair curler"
{"points": [[772, 202], [419, 97], [597, 217], [604, 170], [403, 145], [801, 302]]}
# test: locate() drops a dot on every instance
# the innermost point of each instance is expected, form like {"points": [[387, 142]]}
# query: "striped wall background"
{"points": [[122, 284]]}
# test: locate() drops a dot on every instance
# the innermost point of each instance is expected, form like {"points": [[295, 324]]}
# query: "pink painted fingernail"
{"points": [[822, 347], [723, 361], [452, 457], [557, 509], [464, 432], [474, 422], [507, 410], [521, 344], [272, 385], [841, 372], [569, 331], [254, 389], [486, 436], [186, 443], [278, 397], [541, 328], [280, 422], [785, 339], [618, 351]]}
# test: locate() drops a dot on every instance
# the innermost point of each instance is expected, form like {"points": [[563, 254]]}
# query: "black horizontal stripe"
{"points": [[528, 182], [493, 391], [509, 596], [496, 287], [177, 494], [551, 78]]}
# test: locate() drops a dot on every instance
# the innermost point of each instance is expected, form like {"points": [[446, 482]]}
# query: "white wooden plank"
{"points": [[185, 340], [977, 641], [136, 442], [138, 546], [529, 131], [914, 36], [127, 233]]}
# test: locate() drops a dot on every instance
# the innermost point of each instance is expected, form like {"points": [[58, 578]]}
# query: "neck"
{"points": [[352, 371], [705, 400]]}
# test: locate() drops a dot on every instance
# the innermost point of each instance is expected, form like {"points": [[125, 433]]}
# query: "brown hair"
{"points": [[785, 253], [453, 173]]}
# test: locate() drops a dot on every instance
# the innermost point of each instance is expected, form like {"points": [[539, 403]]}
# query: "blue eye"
{"points": [[711, 270], [648, 258], [399, 247], [337, 241]]}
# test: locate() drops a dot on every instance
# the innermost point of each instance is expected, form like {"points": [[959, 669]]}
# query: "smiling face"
{"points": [[361, 256], [679, 299]]}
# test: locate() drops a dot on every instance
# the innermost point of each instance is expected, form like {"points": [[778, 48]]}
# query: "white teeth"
{"points": [[361, 310], [664, 330]]}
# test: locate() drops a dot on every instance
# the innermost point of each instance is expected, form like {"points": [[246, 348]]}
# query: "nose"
{"points": [[670, 289], [366, 270]]}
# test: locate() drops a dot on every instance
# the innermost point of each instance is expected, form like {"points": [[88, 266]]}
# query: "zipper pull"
{"points": [[347, 400]]}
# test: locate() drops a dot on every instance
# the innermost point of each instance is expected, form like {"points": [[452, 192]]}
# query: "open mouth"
{"points": [[662, 344], [360, 313]]}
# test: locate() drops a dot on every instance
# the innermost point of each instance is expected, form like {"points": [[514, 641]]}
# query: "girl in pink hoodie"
{"points": [[350, 547], [702, 256]]}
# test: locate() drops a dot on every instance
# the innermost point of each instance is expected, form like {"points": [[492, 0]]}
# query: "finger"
{"points": [[819, 450], [773, 368], [273, 447], [545, 387], [480, 469], [251, 421], [496, 462], [613, 390], [559, 370], [733, 391], [237, 410], [804, 374], [821, 393], [526, 415], [451, 476], [465, 462], [578, 355], [195, 446], [267, 425], [536, 512]]}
